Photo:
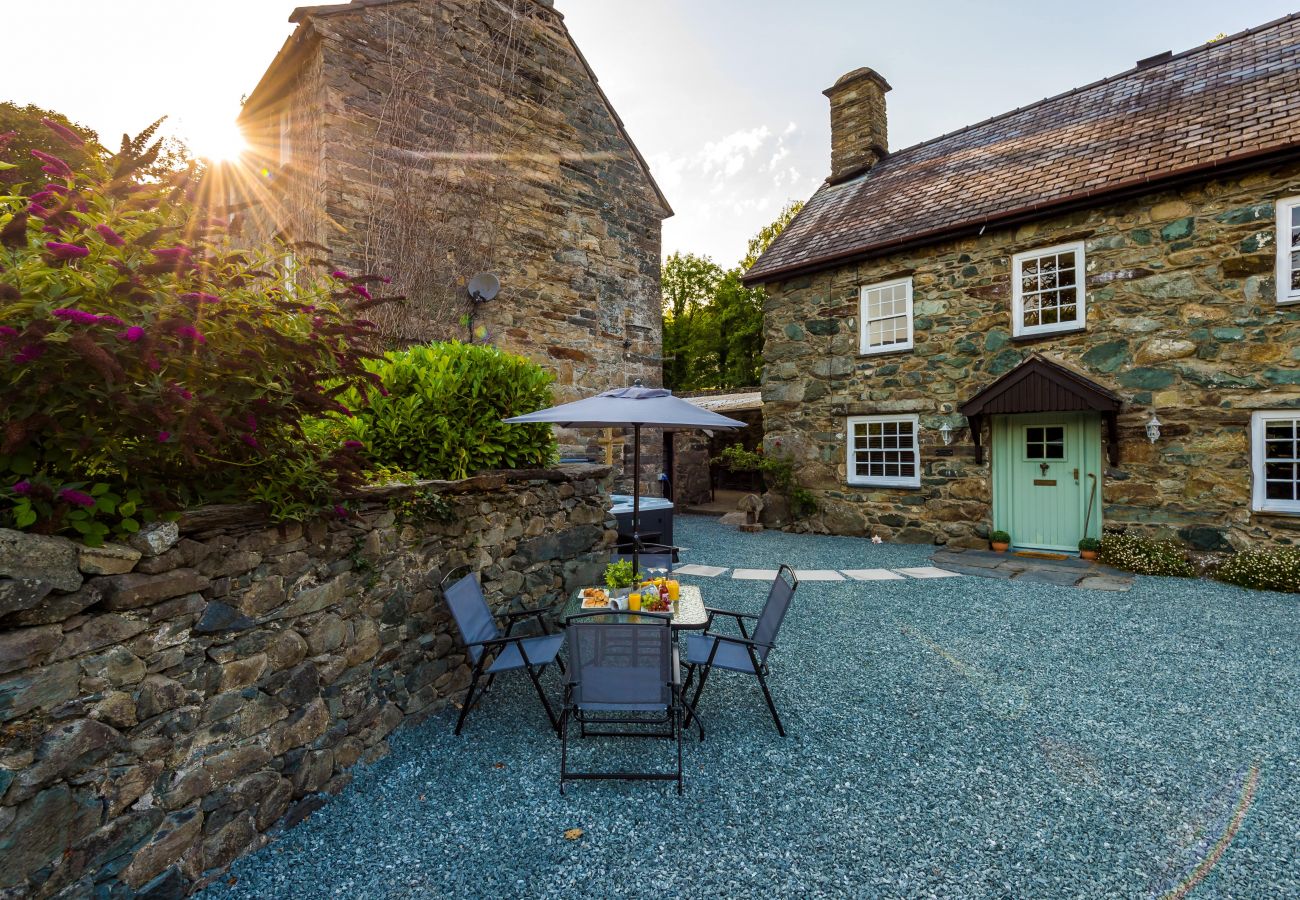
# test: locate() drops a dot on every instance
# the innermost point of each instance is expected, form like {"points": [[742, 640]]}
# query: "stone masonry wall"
{"points": [[435, 139], [1181, 320], [164, 712]]}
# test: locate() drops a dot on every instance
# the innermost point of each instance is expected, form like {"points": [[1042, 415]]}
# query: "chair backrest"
{"points": [[774, 610], [621, 663], [470, 610], [650, 561]]}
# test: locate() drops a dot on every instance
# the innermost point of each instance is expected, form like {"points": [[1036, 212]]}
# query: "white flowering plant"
{"points": [[1275, 569]]}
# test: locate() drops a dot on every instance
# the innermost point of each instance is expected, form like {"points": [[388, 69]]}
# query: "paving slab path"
{"points": [[1033, 569]]}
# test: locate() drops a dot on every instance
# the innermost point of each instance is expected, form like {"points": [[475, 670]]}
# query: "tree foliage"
{"points": [[713, 324]]}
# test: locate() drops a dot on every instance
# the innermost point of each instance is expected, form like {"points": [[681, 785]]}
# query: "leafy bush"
{"points": [[1268, 570], [778, 474], [146, 363], [439, 411], [999, 537], [620, 574], [1089, 543], [1146, 557]]}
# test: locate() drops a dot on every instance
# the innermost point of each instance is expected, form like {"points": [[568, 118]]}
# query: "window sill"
{"points": [[1288, 301], [1047, 335], [1279, 513], [873, 354], [883, 487]]}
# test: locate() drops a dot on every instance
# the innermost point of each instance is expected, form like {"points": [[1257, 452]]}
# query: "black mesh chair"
{"points": [[654, 558], [483, 638], [744, 653], [623, 671]]}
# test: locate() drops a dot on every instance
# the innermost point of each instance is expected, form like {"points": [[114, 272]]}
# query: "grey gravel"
{"points": [[955, 737]]}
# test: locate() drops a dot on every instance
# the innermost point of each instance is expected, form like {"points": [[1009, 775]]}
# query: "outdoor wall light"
{"points": [[945, 432], [1153, 429]]}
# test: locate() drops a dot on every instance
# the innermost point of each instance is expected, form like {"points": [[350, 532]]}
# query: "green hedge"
{"points": [[440, 412]]}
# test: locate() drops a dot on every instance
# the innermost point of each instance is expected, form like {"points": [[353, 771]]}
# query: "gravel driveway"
{"points": [[954, 737]]}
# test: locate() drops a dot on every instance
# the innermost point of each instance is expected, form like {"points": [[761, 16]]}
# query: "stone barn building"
{"points": [[435, 139], [1084, 313]]}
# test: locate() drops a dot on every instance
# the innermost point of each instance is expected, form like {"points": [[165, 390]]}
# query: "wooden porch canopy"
{"points": [[1040, 385]]}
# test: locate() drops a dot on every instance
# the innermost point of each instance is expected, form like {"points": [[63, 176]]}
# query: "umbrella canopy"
{"points": [[627, 407], [632, 407]]}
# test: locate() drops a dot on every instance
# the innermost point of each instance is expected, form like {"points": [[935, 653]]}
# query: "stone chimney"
{"points": [[859, 127]]}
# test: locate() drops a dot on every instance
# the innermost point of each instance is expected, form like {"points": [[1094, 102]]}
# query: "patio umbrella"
{"points": [[632, 407]]}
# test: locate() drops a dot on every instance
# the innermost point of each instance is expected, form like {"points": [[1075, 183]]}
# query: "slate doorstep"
{"points": [[1070, 572]]}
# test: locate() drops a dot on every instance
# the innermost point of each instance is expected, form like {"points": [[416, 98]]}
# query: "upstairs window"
{"points": [[1047, 291], [1288, 250], [886, 315], [884, 451], [1275, 460], [286, 136]]}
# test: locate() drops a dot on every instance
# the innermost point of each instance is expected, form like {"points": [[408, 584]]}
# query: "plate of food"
{"points": [[594, 598]]}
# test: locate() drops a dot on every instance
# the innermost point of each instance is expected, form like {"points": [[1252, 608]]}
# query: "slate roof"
{"points": [[1221, 104]]}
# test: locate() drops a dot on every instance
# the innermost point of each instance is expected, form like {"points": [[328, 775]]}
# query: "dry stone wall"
{"points": [[168, 706], [1182, 321]]}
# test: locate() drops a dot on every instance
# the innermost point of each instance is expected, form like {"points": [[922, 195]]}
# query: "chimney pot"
{"points": [[859, 125]]}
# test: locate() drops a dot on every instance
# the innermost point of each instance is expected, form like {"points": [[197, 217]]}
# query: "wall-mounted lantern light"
{"points": [[945, 432], [1153, 429]]}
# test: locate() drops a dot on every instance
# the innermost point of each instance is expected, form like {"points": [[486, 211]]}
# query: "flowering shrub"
{"points": [[1146, 557], [1269, 570], [438, 411], [147, 363]]}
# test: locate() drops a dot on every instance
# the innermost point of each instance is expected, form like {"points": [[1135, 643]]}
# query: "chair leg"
{"points": [[767, 695], [469, 699], [699, 688], [564, 746], [679, 727], [541, 695]]}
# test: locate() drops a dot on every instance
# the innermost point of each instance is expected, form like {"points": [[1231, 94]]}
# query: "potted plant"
{"points": [[1088, 548], [619, 576], [1001, 541]]}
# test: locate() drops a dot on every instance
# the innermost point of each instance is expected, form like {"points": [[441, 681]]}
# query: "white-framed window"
{"points": [[1288, 250], [886, 315], [884, 451], [1275, 460], [1047, 290]]}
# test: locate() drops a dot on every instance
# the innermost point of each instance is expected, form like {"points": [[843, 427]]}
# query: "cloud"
{"points": [[729, 155]]}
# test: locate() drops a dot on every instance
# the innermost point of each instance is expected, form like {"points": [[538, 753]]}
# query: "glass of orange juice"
{"points": [[634, 601], [674, 589]]}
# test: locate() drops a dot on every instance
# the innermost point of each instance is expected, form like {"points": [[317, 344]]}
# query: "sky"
{"points": [[723, 97]]}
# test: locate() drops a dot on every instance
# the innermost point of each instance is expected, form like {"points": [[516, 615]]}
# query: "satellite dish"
{"points": [[483, 287]]}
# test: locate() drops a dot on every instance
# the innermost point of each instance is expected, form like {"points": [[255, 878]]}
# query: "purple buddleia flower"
{"points": [[7, 332], [66, 251], [201, 297], [30, 353], [111, 237], [163, 436], [249, 440], [80, 316], [132, 334], [353, 445], [339, 274], [53, 165], [172, 254], [77, 498], [22, 488], [67, 135], [189, 331], [361, 291]]}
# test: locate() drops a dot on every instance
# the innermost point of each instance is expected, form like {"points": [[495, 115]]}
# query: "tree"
{"points": [[23, 127], [713, 324]]}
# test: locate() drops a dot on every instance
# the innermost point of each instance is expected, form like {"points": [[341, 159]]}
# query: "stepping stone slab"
{"points": [[818, 575], [1105, 583], [704, 571], [928, 572], [873, 575], [754, 574]]}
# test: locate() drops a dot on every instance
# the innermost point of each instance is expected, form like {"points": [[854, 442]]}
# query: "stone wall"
{"points": [[169, 707], [1181, 320], [434, 139]]}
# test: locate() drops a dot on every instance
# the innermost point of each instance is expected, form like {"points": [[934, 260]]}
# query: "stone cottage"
{"points": [[437, 139], [1084, 313]]}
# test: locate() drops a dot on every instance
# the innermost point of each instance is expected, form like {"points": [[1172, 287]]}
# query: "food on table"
{"points": [[674, 589], [594, 598], [634, 601]]}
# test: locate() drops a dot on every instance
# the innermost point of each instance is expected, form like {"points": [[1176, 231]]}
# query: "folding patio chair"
{"points": [[747, 653], [482, 638], [623, 671], [653, 557]]}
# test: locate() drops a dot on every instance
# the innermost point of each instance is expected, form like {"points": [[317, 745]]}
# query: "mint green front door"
{"points": [[1046, 469]]}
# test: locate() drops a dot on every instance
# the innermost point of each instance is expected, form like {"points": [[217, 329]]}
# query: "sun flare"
{"points": [[218, 141]]}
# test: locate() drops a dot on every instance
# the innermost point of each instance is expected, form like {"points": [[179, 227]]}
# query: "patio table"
{"points": [[690, 616]]}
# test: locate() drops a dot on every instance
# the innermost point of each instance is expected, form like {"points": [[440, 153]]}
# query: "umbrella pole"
{"points": [[636, 499]]}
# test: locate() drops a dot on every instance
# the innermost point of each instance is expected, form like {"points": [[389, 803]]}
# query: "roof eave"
{"points": [[1118, 190]]}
